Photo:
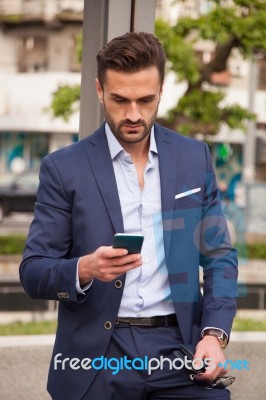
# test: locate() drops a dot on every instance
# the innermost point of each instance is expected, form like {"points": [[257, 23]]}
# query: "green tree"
{"points": [[235, 24]]}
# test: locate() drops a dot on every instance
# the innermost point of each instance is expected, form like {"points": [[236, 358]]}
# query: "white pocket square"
{"points": [[187, 193]]}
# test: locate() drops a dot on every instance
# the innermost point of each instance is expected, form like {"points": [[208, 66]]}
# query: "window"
{"points": [[32, 54]]}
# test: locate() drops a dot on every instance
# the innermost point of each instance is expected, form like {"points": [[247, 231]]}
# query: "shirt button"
{"points": [[108, 325], [118, 284]]}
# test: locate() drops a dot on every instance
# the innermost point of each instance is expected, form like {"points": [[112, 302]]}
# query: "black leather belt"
{"points": [[161, 320]]}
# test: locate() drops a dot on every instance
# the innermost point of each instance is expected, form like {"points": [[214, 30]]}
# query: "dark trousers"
{"points": [[136, 384]]}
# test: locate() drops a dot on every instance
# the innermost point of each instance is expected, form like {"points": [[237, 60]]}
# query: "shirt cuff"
{"points": [[78, 288]]}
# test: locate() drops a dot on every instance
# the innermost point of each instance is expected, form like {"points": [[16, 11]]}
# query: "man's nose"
{"points": [[133, 112]]}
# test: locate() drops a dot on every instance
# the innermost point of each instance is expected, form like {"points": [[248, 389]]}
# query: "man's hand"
{"points": [[106, 264], [209, 347]]}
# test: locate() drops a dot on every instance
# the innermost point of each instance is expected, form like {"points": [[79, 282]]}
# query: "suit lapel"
{"points": [[167, 164], [101, 164]]}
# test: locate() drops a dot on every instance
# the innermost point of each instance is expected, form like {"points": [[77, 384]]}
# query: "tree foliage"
{"points": [[65, 101], [236, 24]]}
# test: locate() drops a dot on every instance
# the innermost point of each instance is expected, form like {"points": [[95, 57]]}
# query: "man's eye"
{"points": [[147, 100], [120, 101]]}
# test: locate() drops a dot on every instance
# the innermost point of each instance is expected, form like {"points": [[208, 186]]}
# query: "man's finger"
{"points": [[128, 259], [110, 252], [121, 269]]}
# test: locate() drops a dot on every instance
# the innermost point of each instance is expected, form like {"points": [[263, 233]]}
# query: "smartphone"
{"points": [[131, 242]]}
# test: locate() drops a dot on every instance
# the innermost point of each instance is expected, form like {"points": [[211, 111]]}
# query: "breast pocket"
{"points": [[188, 198]]}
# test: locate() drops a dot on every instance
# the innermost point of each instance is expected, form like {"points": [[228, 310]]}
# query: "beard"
{"points": [[142, 131]]}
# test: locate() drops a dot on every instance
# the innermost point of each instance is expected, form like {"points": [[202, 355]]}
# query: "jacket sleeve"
{"points": [[47, 271], [218, 259]]}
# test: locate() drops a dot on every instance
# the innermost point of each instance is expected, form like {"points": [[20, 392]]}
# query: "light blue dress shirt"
{"points": [[147, 290]]}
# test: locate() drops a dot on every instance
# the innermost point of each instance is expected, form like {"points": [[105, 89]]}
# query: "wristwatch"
{"points": [[218, 333]]}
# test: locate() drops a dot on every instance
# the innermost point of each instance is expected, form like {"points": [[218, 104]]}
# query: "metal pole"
{"points": [[94, 37], [144, 16]]}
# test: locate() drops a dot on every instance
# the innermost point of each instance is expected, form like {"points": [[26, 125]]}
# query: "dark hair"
{"points": [[131, 52]]}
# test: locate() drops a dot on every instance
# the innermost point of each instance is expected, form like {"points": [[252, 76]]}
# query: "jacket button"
{"points": [[118, 284], [108, 325]]}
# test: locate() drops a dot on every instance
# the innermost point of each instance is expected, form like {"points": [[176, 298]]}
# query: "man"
{"points": [[131, 176]]}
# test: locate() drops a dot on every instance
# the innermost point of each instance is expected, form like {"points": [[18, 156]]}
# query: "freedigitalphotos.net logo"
{"points": [[141, 364]]}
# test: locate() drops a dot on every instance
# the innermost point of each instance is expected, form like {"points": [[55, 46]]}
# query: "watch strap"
{"points": [[218, 333]]}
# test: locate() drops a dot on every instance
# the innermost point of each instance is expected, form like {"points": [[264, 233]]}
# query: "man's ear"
{"points": [[99, 90]]}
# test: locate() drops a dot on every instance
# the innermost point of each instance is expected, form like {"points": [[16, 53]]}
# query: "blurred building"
{"points": [[37, 41]]}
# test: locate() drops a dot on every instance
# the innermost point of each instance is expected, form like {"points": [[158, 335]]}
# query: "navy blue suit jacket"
{"points": [[78, 210]]}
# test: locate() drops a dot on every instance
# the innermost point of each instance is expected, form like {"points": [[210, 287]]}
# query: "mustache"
{"points": [[130, 123]]}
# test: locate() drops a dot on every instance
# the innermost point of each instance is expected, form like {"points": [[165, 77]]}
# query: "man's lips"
{"points": [[132, 126]]}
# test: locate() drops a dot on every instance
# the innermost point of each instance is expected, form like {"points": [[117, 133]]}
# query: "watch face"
{"points": [[222, 340]]}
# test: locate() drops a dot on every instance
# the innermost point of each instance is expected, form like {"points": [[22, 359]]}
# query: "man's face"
{"points": [[130, 102]]}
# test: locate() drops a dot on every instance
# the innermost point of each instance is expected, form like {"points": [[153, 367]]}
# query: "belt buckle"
{"points": [[158, 321]]}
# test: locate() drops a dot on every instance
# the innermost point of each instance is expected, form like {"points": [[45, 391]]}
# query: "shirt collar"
{"points": [[116, 148]]}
